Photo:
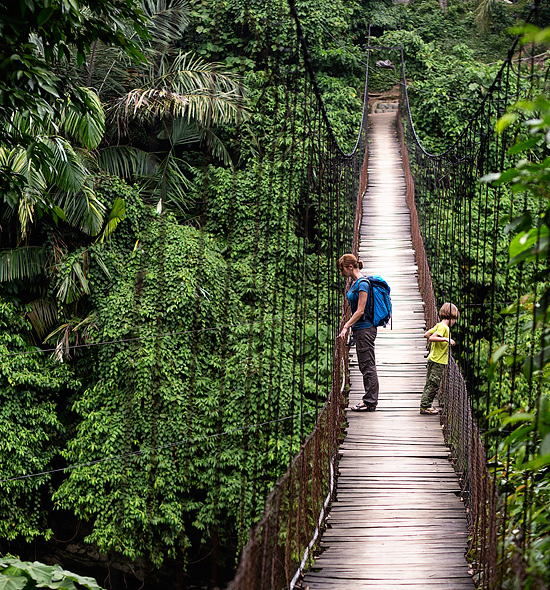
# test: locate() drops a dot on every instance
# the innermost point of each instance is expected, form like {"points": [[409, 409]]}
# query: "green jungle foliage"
{"points": [[36, 37], [523, 476], [502, 278], [34, 391], [178, 255], [450, 63]]}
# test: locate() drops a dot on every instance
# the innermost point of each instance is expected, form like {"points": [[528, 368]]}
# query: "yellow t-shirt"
{"points": [[439, 352]]}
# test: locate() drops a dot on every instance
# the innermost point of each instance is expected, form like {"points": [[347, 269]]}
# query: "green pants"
{"points": [[434, 375]]}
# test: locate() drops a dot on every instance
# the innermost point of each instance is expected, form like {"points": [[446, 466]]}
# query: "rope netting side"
{"points": [[281, 544], [462, 244]]}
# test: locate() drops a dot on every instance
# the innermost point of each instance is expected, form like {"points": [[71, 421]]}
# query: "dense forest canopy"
{"points": [[163, 249]]}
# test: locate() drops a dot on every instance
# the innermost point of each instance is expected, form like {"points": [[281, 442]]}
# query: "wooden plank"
{"points": [[423, 501], [398, 545], [414, 576]]}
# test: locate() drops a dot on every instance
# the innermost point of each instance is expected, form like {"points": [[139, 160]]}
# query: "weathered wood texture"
{"points": [[397, 521]]}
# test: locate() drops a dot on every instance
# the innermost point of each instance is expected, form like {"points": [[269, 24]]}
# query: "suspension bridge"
{"points": [[245, 444]]}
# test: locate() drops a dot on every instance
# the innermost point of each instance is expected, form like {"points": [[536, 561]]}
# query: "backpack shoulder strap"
{"points": [[369, 285], [369, 309]]}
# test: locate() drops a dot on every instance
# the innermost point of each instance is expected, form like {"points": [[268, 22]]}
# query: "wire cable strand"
{"points": [[151, 449], [153, 336]]}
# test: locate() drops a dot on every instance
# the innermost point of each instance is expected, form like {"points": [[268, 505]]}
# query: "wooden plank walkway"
{"points": [[397, 522]]}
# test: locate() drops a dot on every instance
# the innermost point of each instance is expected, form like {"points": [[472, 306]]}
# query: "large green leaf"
{"points": [[117, 214], [528, 244], [13, 582], [44, 576]]}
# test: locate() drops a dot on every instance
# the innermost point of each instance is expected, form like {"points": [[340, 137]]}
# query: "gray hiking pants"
{"points": [[365, 338]]}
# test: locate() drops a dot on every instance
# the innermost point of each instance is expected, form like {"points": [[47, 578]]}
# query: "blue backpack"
{"points": [[378, 310]]}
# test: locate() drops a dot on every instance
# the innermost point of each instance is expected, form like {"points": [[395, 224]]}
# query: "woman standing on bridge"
{"points": [[363, 330]]}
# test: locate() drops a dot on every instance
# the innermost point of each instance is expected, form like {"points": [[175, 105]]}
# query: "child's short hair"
{"points": [[449, 311]]}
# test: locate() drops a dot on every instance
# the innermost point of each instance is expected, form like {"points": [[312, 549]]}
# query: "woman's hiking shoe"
{"points": [[363, 407], [429, 411]]}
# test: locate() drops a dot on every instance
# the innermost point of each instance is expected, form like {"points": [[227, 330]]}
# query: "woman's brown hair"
{"points": [[349, 259]]}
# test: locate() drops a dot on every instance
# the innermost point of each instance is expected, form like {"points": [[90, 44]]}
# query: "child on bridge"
{"points": [[440, 338]]}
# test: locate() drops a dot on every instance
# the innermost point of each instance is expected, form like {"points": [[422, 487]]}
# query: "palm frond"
{"points": [[25, 214], [148, 104], [57, 163], [484, 14], [73, 285], [25, 262], [217, 147], [22, 123], [178, 184], [88, 158], [215, 110], [168, 20], [34, 190], [170, 185], [62, 346], [190, 71], [42, 314], [111, 72], [88, 127], [24, 164], [94, 211], [82, 209], [126, 161], [66, 170], [73, 333], [80, 275], [181, 133], [66, 289], [8, 209], [188, 87], [20, 163], [101, 263], [85, 325]]}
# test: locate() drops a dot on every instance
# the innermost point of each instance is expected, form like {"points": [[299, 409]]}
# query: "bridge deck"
{"points": [[397, 522]]}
